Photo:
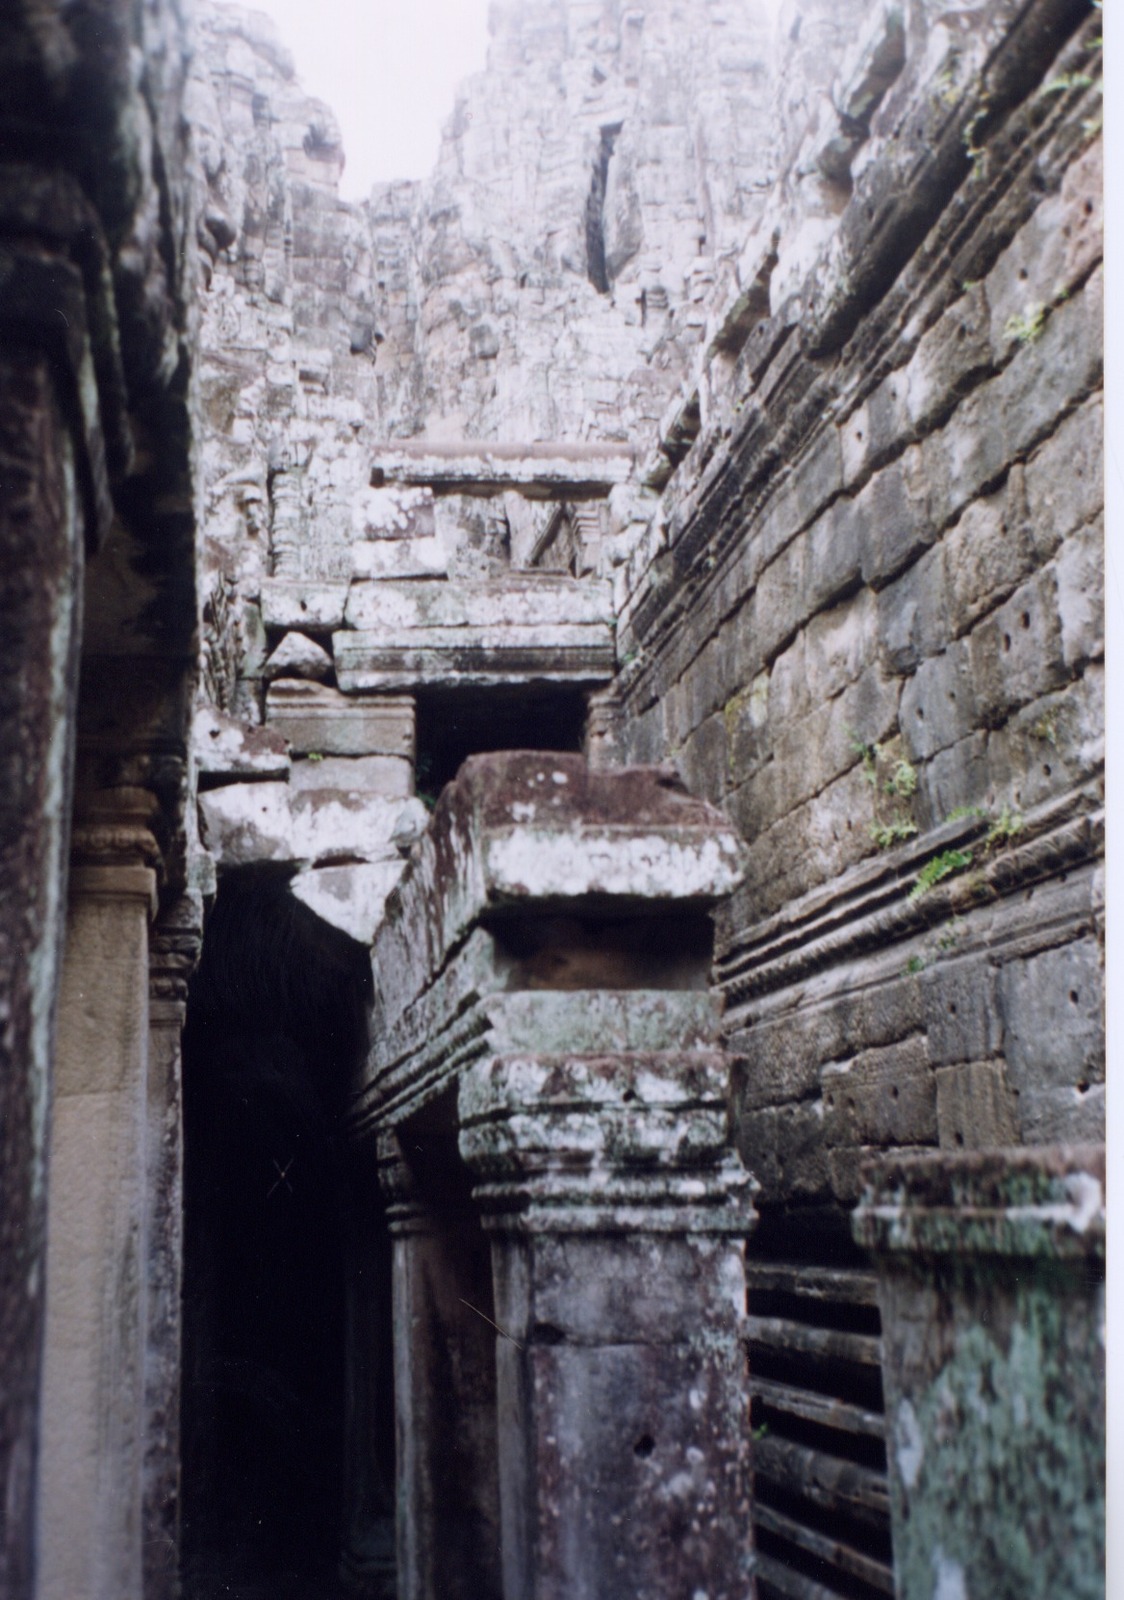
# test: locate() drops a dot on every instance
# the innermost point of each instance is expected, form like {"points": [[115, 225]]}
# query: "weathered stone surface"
{"points": [[225, 748], [1052, 1012], [540, 471], [400, 558], [41, 538], [593, 1125], [288, 604], [882, 1097], [246, 822], [352, 897], [992, 1296], [392, 776], [524, 627], [394, 512], [976, 1109], [317, 720], [97, 1315], [298, 656], [842, 298], [962, 1018], [520, 599], [519, 830]]}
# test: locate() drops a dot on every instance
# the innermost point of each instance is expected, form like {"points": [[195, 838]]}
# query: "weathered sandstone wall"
{"points": [[847, 322], [867, 619]]}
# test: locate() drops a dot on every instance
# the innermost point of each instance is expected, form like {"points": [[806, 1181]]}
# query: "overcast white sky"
{"points": [[388, 69]]}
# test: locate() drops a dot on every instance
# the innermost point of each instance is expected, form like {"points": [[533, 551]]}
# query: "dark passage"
{"points": [[460, 723], [276, 1021]]}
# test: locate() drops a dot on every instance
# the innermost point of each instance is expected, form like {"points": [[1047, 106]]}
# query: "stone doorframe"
{"points": [[547, 1106]]}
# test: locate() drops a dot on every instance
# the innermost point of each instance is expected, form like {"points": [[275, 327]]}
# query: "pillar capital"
{"points": [[406, 1209], [622, 1143], [114, 854]]}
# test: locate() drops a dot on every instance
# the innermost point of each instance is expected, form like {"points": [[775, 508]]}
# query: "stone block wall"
{"points": [[867, 619]]}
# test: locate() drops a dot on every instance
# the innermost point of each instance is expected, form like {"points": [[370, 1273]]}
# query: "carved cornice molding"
{"points": [[876, 904]]}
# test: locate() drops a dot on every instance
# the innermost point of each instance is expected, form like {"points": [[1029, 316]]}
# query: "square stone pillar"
{"points": [[544, 1073], [173, 951], [991, 1283], [448, 1539], [93, 1421], [618, 1222], [367, 1561]]}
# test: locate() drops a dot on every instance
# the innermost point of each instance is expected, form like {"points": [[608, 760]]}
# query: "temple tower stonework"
{"points": [[604, 647]]}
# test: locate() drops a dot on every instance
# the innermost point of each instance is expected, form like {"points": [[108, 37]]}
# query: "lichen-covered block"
{"points": [[527, 831], [991, 1288], [247, 822]]}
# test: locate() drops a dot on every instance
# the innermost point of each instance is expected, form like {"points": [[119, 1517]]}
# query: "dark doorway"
{"points": [[276, 1025], [456, 724]]}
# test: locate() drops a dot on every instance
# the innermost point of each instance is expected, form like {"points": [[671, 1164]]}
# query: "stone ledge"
{"points": [[540, 471], [520, 627], [1048, 1201]]}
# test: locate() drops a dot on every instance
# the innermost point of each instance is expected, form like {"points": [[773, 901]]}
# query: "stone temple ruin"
{"points": [[551, 830]]}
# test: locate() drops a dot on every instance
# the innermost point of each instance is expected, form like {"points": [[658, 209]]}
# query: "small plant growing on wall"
{"points": [[894, 783]]}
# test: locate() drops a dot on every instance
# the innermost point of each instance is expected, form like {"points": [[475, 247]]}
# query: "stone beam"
{"points": [[539, 471], [545, 1080], [431, 633]]}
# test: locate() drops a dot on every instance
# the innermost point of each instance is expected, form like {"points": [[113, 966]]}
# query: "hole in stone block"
{"points": [[547, 1333], [1074, 997], [644, 1446]]}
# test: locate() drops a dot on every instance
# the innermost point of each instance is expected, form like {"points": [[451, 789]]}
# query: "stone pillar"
{"points": [[173, 953], [618, 1223], [368, 1553], [444, 1389], [42, 534], [544, 1071], [90, 1528], [991, 1284]]}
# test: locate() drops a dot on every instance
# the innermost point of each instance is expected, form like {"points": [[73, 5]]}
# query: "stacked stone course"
{"points": [[739, 387]]}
